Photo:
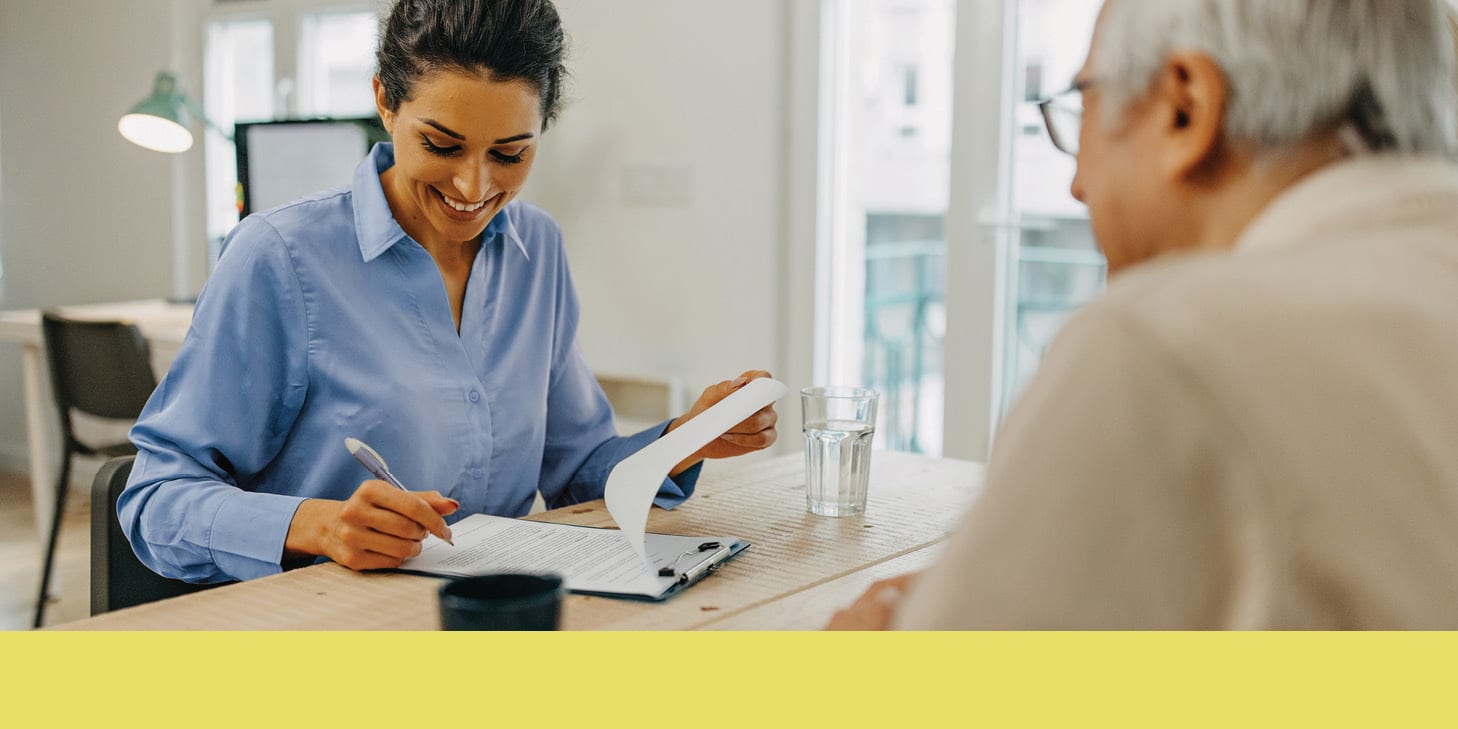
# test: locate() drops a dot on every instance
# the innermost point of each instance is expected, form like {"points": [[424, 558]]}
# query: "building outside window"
{"points": [[1055, 267], [893, 69]]}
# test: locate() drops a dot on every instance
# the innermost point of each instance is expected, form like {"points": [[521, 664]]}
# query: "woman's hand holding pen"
{"points": [[754, 433], [378, 527]]}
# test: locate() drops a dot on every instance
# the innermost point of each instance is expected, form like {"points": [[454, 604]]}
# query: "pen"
{"points": [[375, 464], [708, 565], [671, 570]]}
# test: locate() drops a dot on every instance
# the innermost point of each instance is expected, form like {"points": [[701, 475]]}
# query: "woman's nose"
{"points": [[471, 182]]}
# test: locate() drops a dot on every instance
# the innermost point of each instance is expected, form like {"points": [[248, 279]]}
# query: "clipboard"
{"points": [[689, 575], [591, 560]]}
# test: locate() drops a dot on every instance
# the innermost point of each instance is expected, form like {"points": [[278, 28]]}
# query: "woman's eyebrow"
{"points": [[444, 130], [457, 135]]}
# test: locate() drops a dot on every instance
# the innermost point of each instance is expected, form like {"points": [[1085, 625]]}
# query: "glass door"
{"points": [[890, 127], [955, 250], [1054, 266]]}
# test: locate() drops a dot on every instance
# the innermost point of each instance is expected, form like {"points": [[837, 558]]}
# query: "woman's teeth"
{"points": [[461, 206]]}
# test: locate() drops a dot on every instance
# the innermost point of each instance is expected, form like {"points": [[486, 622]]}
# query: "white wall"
{"points": [[683, 281], [86, 216]]}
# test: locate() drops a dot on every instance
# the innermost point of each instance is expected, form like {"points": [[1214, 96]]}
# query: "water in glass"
{"points": [[837, 466]]}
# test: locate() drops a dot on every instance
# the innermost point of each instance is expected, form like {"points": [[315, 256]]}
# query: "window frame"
{"points": [[978, 234]]}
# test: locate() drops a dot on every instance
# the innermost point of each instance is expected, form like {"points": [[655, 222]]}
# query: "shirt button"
{"points": [[476, 473], [474, 396]]}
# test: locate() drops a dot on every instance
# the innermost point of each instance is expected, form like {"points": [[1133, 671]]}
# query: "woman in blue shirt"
{"points": [[421, 309]]}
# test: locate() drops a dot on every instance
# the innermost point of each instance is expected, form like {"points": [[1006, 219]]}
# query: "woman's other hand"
{"points": [[378, 527], [754, 433]]}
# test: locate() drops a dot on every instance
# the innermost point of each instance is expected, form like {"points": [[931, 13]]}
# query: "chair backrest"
{"points": [[98, 367], [118, 578]]}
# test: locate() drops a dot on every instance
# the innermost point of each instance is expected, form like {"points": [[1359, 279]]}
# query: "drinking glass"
{"points": [[839, 423]]}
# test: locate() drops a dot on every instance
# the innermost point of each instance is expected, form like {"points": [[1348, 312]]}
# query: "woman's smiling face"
{"points": [[464, 145]]}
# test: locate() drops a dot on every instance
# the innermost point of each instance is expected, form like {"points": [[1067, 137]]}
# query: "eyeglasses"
{"points": [[1063, 115]]}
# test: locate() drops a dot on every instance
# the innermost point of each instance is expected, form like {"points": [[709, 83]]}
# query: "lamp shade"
{"points": [[157, 122]]}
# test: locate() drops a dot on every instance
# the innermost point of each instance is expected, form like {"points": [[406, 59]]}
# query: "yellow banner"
{"points": [[730, 679]]}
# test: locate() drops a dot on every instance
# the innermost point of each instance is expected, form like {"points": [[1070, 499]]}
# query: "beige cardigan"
{"points": [[1263, 439]]}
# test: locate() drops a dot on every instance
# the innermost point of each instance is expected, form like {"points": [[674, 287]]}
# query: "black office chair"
{"points": [[118, 578], [101, 368]]}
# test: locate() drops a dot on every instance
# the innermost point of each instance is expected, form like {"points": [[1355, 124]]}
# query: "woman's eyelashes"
{"points": [[510, 159], [438, 150], [451, 151]]}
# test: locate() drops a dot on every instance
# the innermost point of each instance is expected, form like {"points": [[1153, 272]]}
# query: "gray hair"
{"points": [[1381, 72]]}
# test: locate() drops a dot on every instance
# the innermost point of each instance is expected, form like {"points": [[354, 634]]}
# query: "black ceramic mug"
{"points": [[506, 601]]}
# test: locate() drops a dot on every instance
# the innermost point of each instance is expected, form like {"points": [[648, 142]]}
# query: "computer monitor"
{"points": [[280, 161]]}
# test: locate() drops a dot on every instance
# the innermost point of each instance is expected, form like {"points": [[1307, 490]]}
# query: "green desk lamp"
{"points": [[158, 122]]}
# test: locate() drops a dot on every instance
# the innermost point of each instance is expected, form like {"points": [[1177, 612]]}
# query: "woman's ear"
{"points": [[387, 117]]}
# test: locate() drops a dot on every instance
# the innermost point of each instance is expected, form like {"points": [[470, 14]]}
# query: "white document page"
{"points": [[634, 482], [589, 560]]}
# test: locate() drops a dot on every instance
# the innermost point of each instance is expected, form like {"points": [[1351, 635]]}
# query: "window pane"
{"points": [[892, 133], [1054, 266], [336, 63], [238, 87]]}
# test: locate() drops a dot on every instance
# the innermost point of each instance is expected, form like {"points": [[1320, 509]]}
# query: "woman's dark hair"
{"points": [[511, 40]]}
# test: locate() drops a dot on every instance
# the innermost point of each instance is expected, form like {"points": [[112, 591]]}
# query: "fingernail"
{"points": [[454, 503], [739, 382]]}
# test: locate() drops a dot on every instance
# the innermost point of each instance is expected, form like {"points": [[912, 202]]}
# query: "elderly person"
{"points": [[1257, 427]]}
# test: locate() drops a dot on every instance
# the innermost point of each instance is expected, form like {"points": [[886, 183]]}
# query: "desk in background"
{"points": [[163, 324], [799, 571]]}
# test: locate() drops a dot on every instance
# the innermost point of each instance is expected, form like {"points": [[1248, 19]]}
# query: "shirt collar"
{"points": [[1354, 194], [375, 225]]}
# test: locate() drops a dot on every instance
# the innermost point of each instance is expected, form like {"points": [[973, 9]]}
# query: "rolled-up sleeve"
{"points": [[219, 416]]}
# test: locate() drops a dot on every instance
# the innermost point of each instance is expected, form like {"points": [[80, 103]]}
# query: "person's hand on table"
{"points": [[754, 433], [378, 527], [874, 609]]}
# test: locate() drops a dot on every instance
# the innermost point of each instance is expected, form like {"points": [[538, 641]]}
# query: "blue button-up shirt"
{"points": [[324, 320]]}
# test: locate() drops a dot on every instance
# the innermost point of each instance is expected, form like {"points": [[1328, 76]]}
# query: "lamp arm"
{"points": [[197, 110]]}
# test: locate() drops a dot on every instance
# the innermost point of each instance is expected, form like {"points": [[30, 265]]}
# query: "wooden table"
{"points": [[799, 571]]}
